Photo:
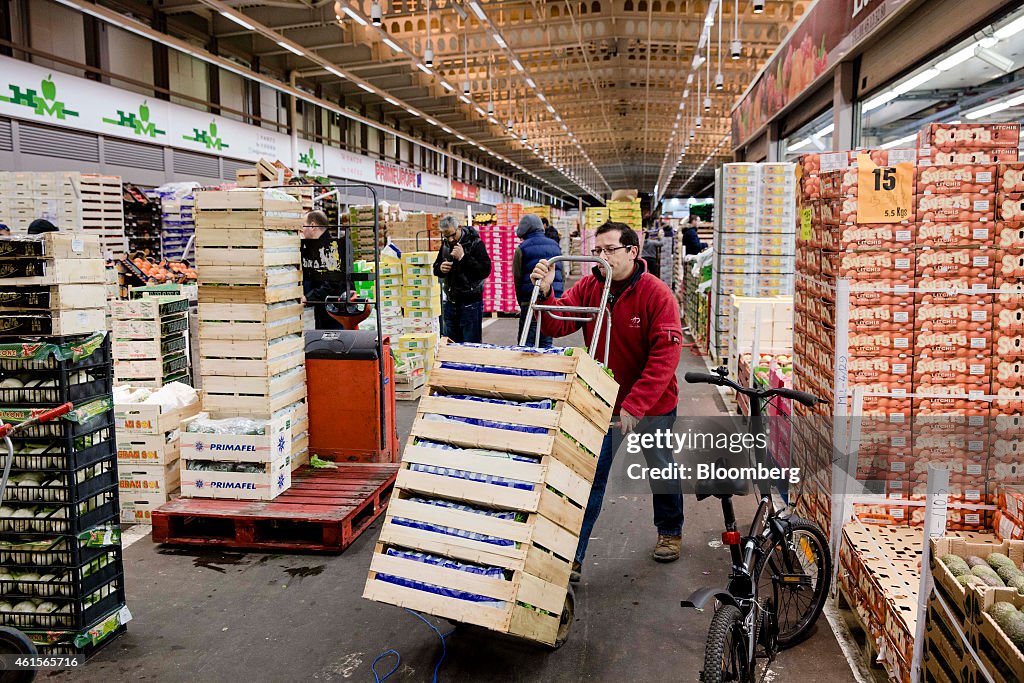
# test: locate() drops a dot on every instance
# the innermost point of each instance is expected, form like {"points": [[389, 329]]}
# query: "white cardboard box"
{"points": [[265, 485], [148, 418], [137, 507], [269, 447], [154, 480], [147, 449]]}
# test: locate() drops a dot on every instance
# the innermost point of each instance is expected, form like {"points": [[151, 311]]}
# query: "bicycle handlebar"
{"points": [[45, 416], [809, 400]]}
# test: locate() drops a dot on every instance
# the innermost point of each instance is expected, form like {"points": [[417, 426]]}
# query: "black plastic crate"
{"points": [[53, 555], [173, 345], [41, 489], [43, 583], [86, 642], [81, 438], [67, 613], [74, 379], [55, 519]]}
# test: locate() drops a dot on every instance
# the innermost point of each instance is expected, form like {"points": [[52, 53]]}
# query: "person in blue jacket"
{"points": [[535, 246]]}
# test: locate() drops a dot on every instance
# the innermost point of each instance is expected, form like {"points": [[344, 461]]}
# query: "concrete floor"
{"points": [[223, 616]]}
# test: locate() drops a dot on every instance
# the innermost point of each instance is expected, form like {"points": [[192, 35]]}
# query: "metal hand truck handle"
{"points": [[589, 313], [7, 429]]}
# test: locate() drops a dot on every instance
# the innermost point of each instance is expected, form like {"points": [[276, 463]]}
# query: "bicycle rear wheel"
{"points": [[796, 575], [726, 649]]}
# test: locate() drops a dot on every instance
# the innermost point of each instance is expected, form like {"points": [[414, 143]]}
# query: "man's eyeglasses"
{"points": [[597, 251]]}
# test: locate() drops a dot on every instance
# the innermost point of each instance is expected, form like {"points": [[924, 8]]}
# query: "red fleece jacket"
{"points": [[646, 339]]}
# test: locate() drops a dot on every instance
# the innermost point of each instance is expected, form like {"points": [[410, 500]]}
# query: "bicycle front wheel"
{"points": [[726, 653], [796, 574]]}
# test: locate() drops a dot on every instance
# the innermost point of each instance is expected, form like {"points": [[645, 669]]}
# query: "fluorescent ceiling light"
{"points": [[465, 99], [540, 96], [517, 64], [918, 80], [293, 50], [551, 109], [412, 111], [956, 59], [901, 141], [461, 137], [448, 130], [392, 44], [477, 10], [993, 59], [391, 101], [241, 22], [447, 86], [423, 68], [500, 41], [354, 16], [1011, 29], [365, 87], [800, 145], [878, 101], [493, 120], [988, 41], [480, 110], [996, 107], [433, 122], [826, 130], [335, 72]]}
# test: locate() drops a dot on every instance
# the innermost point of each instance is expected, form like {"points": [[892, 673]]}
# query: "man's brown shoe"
{"points": [[667, 549]]}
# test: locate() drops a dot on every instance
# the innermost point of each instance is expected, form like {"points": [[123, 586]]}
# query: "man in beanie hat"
{"points": [[534, 247]]}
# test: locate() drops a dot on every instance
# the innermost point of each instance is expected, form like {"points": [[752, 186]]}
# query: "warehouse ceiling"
{"points": [[584, 94]]}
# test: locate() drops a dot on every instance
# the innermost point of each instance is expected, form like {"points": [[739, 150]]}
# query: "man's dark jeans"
{"points": [[463, 322], [545, 341]]}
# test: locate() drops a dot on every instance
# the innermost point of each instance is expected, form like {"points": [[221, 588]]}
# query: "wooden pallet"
{"points": [[323, 511], [862, 637]]}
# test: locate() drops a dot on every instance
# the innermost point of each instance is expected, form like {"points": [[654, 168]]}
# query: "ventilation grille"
{"points": [[230, 166], [6, 136], [200, 165], [54, 142], [133, 154]]}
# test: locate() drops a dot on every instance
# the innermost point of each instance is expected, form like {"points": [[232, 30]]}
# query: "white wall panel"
{"points": [[130, 55], [59, 31]]}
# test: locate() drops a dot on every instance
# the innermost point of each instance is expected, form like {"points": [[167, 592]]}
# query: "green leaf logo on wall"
{"points": [[47, 105], [207, 137], [309, 160], [140, 123]]}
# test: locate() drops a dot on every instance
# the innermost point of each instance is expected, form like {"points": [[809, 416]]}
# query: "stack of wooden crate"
{"points": [[51, 284], [73, 202], [251, 349], [485, 517], [151, 341]]}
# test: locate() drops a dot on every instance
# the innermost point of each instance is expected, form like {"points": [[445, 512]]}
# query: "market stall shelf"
{"points": [[325, 510]]}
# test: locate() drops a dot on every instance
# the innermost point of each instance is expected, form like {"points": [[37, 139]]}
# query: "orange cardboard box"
{"points": [[868, 344], [878, 267], [946, 343], [1010, 177], [1008, 344], [1007, 527], [874, 236], [1007, 375], [955, 403], [964, 136], [963, 206], [1009, 235], [964, 312], [956, 179], [954, 234], [1011, 499], [936, 156], [1006, 461], [1009, 263], [961, 370], [1011, 206]]}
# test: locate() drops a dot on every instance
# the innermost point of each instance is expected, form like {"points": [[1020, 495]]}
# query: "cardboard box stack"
{"points": [[421, 308], [595, 217], [74, 202], [360, 225], [762, 322], [148, 427], [755, 241], [250, 314], [440, 548], [417, 232], [151, 341], [628, 212], [59, 520], [52, 284], [540, 211], [500, 287], [508, 214], [935, 331]]}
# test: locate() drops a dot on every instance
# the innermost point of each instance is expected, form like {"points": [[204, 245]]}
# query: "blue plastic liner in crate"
{"points": [[461, 533], [490, 572], [475, 476]]}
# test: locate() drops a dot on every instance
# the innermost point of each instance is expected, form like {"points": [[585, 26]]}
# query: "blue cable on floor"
{"points": [[444, 651]]}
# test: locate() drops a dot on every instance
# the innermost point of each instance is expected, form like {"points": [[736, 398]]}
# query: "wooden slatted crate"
{"points": [[256, 397], [247, 247], [244, 322], [219, 357], [525, 511]]}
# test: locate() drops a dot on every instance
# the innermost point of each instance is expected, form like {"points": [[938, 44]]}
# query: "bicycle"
{"points": [[750, 610], [12, 640]]}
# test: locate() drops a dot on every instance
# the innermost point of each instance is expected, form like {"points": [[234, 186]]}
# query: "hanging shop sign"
{"points": [[465, 191], [33, 93], [829, 30]]}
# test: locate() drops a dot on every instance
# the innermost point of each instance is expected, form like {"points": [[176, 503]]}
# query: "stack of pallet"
{"points": [[486, 513], [250, 310], [73, 202], [63, 574], [148, 447], [52, 284], [151, 341]]}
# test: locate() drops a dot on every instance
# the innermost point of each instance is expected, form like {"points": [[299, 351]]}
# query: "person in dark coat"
{"points": [[691, 240], [321, 254], [535, 246], [462, 264], [551, 232]]}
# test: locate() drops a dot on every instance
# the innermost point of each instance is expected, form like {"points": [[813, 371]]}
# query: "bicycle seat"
{"points": [[722, 488]]}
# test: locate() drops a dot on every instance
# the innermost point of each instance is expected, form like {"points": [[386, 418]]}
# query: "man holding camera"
{"points": [[462, 264]]}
